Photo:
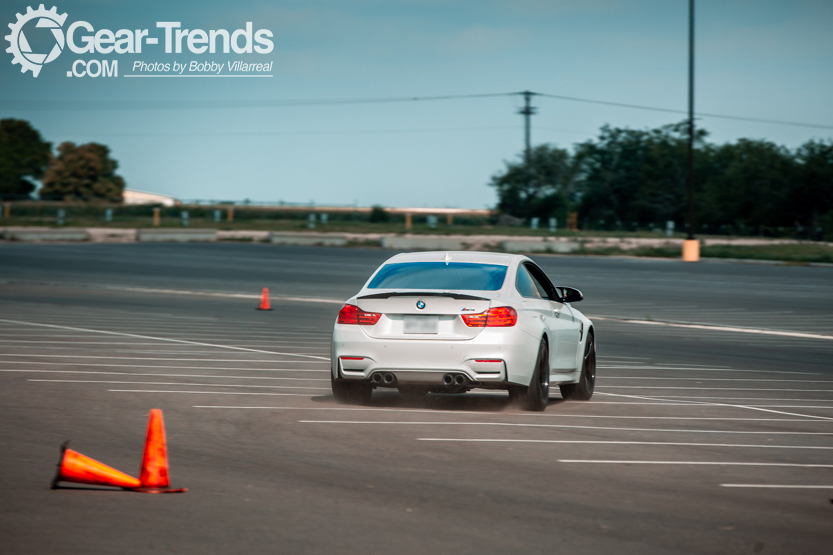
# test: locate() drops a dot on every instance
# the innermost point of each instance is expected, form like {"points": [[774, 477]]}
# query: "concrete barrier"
{"points": [[309, 239], [422, 243], [36, 235], [176, 235], [111, 235], [562, 247], [243, 236]]}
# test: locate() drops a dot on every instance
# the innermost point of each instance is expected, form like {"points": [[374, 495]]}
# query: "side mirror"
{"points": [[571, 295]]}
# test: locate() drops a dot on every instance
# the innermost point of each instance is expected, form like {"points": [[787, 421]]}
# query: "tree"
{"points": [[812, 195], [750, 186], [379, 214], [538, 190], [632, 176], [23, 154], [84, 172]]}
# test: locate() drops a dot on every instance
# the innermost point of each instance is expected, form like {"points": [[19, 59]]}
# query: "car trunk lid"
{"points": [[424, 314]]}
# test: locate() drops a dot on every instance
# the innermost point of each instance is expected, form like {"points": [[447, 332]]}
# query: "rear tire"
{"points": [[351, 393], [583, 390], [537, 395]]}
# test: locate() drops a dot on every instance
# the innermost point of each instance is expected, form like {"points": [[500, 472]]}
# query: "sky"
{"points": [[230, 138]]}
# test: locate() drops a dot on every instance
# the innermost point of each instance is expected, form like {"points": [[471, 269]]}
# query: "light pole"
{"points": [[691, 246]]}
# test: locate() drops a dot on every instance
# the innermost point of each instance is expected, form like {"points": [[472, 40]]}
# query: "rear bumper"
{"points": [[496, 356]]}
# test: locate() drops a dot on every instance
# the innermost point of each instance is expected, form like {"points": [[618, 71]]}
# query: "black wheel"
{"points": [[537, 395], [355, 393], [583, 390], [413, 393]]}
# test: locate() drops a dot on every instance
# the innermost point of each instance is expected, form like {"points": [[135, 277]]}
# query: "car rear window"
{"points": [[440, 275]]}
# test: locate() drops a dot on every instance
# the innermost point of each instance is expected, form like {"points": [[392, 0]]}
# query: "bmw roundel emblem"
{"points": [[420, 304]]}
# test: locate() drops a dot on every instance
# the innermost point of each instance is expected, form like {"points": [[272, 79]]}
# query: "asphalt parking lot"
{"points": [[696, 441]]}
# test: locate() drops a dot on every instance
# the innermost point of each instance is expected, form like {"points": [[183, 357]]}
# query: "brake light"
{"points": [[499, 317], [351, 314]]}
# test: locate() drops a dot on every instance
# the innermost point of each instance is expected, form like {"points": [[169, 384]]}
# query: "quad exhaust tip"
{"points": [[452, 379], [387, 378]]}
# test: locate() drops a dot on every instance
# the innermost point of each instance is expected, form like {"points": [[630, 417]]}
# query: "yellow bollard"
{"points": [[230, 215], [691, 250], [156, 217], [449, 219], [408, 222]]}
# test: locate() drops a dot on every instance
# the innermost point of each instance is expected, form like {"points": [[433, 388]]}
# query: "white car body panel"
{"points": [[424, 358]]}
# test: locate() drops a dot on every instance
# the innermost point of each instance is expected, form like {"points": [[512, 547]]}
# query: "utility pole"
{"points": [[690, 178], [527, 111]]}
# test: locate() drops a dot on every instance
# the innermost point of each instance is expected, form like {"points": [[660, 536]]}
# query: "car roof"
{"points": [[455, 256]]}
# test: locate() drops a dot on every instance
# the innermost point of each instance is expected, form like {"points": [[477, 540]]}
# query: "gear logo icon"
{"points": [[19, 46]]}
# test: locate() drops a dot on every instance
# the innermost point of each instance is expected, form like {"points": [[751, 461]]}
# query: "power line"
{"points": [[606, 103], [119, 105], [292, 133], [129, 105], [684, 112]]}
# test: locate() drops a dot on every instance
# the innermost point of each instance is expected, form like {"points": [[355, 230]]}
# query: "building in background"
{"points": [[132, 196]]}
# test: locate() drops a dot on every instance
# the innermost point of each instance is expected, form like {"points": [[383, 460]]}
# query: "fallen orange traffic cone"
{"points": [[75, 467], [154, 473], [264, 300]]}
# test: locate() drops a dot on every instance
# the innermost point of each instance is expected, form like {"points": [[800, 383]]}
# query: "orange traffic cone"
{"points": [[264, 300], [154, 473], [75, 467]]}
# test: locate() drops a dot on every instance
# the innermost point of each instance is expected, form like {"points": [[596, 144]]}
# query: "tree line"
{"points": [[628, 179], [76, 172]]}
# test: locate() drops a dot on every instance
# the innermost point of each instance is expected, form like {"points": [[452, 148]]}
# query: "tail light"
{"points": [[499, 317], [351, 314]]}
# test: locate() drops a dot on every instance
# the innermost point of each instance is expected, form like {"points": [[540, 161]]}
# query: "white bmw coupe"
{"points": [[447, 322]]}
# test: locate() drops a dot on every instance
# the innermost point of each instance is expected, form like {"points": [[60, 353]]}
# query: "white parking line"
{"points": [[656, 403], [228, 295], [207, 392], [586, 461], [132, 343], [747, 398], [750, 407], [523, 414], [97, 365], [654, 367], [775, 486], [129, 374], [757, 380], [753, 407], [179, 383], [161, 358], [595, 442], [271, 337], [715, 388], [720, 370], [526, 425], [716, 328], [156, 338]]}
